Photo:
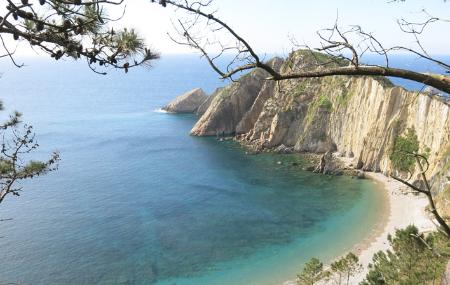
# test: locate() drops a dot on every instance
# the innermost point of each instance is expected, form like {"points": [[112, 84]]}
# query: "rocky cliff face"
{"points": [[228, 105], [358, 117], [189, 102]]}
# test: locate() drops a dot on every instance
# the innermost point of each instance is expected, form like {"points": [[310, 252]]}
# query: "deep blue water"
{"points": [[136, 200]]}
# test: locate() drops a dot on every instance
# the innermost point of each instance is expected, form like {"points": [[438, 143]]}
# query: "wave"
{"points": [[160, 110]]}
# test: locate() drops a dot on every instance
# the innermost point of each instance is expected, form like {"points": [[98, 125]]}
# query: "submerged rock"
{"points": [[189, 102]]}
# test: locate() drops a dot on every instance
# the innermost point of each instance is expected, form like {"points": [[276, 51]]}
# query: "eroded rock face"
{"points": [[230, 104], [359, 117], [205, 105], [189, 102]]}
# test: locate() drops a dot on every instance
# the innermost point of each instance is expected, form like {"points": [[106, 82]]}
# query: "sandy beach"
{"points": [[402, 208]]}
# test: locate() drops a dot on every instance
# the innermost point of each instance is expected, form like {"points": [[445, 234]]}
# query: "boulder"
{"points": [[188, 102], [282, 149], [360, 174]]}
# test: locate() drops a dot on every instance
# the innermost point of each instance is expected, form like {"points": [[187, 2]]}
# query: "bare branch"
{"points": [[335, 42]]}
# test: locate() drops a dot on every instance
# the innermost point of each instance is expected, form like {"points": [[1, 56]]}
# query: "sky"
{"points": [[268, 25]]}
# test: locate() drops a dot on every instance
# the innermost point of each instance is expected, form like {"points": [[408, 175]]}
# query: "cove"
{"points": [[136, 200]]}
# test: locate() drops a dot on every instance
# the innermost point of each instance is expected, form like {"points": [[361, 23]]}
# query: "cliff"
{"points": [[356, 117], [228, 105]]}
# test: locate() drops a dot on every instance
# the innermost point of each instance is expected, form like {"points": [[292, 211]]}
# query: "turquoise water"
{"points": [[136, 200]]}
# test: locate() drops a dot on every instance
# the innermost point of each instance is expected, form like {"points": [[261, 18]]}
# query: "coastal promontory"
{"points": [[188, 102]]}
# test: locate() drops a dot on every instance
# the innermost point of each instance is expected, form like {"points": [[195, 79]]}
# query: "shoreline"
{"points": [[402, 208]]}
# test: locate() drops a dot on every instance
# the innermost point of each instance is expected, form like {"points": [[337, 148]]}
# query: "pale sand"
{"points": [[402, 208]]}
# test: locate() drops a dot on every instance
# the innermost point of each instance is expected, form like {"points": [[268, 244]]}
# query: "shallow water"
{"points": [[136, 200]]}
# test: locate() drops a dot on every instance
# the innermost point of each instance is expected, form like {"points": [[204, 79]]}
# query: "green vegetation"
{"points": [[300, 89], [404, 146], [346, 267], [340, 271], [325, 103], [319, 102], [312, 273], [414, 259], [405, 157], [18, 141], [344, 98]]}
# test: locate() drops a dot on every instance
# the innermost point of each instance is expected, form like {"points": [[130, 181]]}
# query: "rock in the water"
{"points": [[309, 168], [282, 149], [188, 102], [360, 174], [326, 163]]}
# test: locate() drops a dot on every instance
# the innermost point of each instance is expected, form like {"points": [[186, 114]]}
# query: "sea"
{"points": [[137, 200]]}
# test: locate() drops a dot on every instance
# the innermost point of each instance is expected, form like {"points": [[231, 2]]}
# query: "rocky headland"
{"points": [[349, 122], [189, 102]]}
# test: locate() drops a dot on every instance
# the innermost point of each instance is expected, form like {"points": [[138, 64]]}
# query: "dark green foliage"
{"points": [[346, 267], [75, 29], [19, 141], [405, 146], [414, 259], [312, 272]]}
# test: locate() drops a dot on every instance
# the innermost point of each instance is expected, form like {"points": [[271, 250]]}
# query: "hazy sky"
{"points": [[267, 24]]}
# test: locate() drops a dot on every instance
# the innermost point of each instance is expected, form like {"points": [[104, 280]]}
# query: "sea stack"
{"points": [[189, 102]]}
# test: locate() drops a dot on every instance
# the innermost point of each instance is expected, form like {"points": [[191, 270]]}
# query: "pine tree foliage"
{"points": [[76, 29], [312, 273], [414, 259], [18, 142], [345, 267], [404, 146]]}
